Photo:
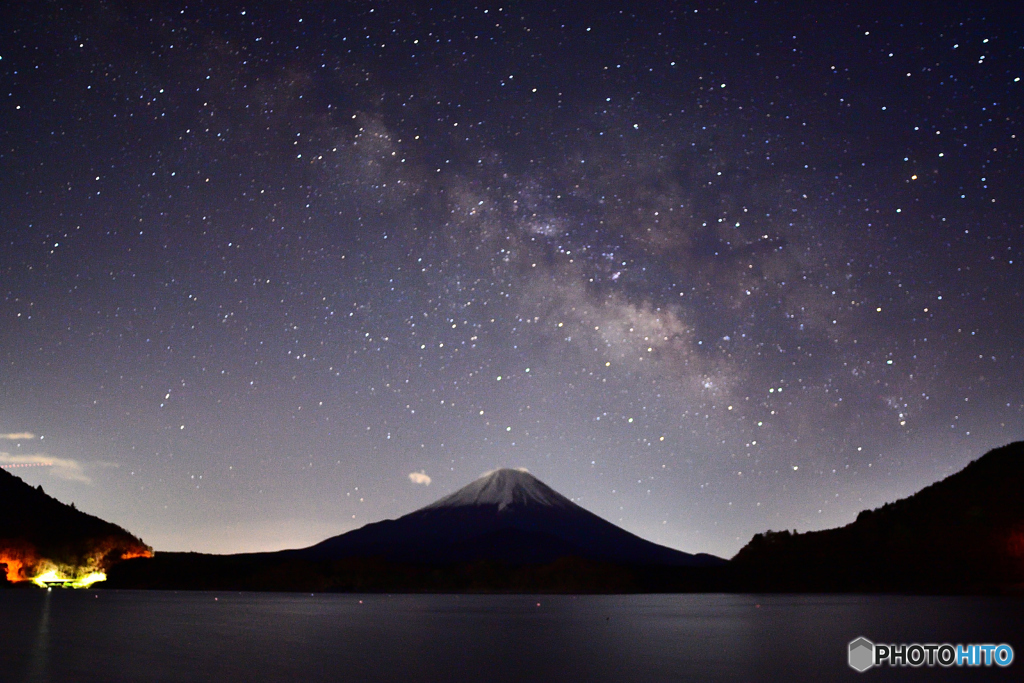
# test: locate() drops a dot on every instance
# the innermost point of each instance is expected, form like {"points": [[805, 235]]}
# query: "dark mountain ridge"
{"points": [[38, 533], [963, 534]]}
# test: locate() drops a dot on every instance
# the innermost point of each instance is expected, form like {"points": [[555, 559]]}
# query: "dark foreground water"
{"points": [[161, 636]]}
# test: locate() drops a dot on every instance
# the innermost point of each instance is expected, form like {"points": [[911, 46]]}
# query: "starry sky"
{"points": [[271, 271]]}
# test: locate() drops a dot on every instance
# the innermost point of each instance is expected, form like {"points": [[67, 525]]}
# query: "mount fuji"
{"points": [[508, 516]]}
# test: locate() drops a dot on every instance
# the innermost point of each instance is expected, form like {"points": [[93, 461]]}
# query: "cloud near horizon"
{"points": [[62, 468], [420, 477], [18, 436]]}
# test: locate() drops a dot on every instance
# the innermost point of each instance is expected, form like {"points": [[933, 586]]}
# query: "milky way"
{"points": [[269, 272]]}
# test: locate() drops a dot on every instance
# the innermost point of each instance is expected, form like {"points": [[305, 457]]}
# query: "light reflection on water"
{"points": [[164, 636], [40, 649]]}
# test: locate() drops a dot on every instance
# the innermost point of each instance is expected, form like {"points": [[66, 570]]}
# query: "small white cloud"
{"points": [[419, 478], [62, 468], [18, 436]]}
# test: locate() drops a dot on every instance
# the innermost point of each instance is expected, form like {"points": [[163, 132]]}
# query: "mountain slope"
{"points": [[962, 534], [38, 534], [508, 516]]}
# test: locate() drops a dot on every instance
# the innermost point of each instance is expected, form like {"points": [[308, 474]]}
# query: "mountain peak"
{"points": [[504, 487]]}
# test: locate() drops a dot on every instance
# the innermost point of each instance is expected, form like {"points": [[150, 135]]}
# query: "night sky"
{"points": [[272, 271]]}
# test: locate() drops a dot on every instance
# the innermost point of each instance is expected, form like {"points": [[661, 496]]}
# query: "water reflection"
{"points": [[39, 665], [164, 636]]}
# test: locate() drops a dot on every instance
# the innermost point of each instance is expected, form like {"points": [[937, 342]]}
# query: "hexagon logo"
{"points": [[862, 654]]}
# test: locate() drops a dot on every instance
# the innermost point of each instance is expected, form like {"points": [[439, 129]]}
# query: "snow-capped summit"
{"points": [[504, 487]]}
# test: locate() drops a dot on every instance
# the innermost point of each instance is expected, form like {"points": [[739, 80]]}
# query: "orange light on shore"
{"points": [[20, 559], [23, 563], [14, 567], [133, 555]]}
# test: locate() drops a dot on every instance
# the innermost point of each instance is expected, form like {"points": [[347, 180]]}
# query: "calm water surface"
{"points": [[163, 636]]}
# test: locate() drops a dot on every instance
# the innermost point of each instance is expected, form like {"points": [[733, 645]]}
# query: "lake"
{"points": [[106, 635]]}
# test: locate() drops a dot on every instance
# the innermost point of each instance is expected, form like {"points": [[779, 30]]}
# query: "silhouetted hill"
{"points": [[963, 534], [39, 533], [506, 531]]}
